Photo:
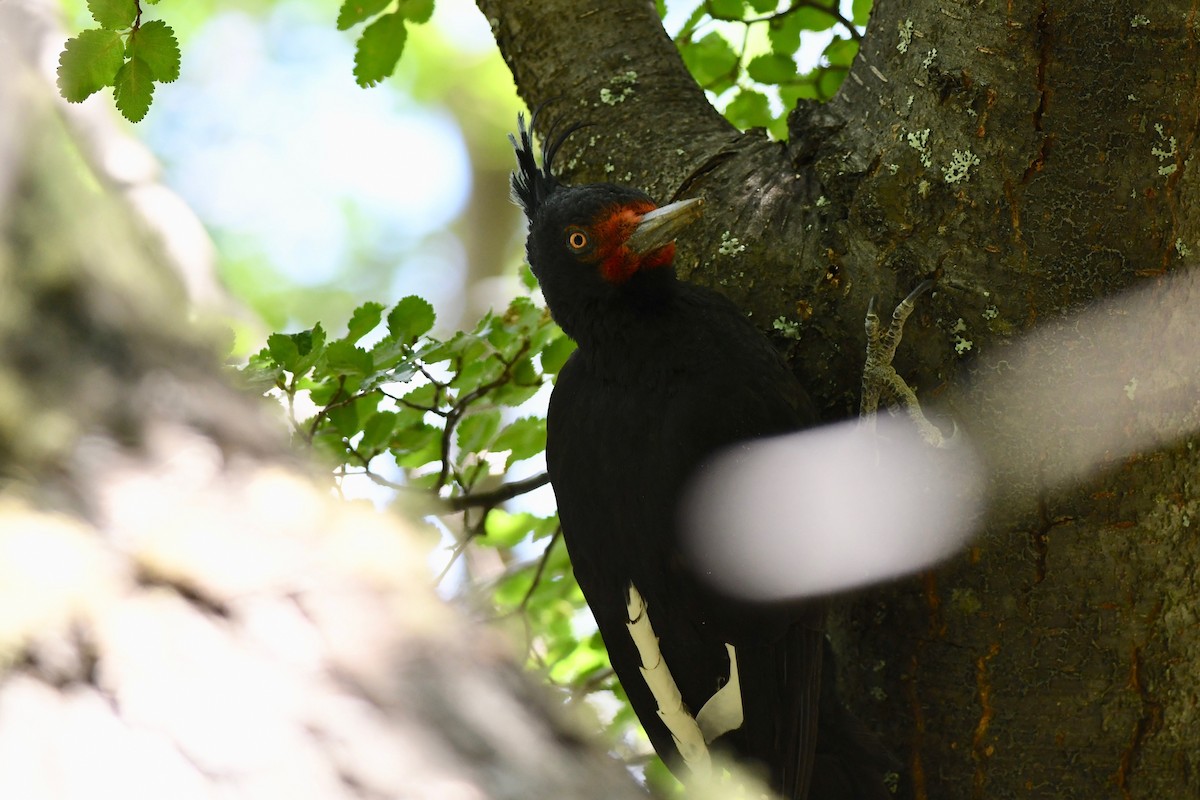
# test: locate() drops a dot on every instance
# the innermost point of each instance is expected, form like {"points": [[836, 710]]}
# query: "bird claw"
{"points": [[880, 377]]}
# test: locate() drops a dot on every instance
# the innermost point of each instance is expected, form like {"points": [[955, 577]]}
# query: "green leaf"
{"points": [[378, 431], [412, 317], [784, 34], [283, 350], [113, 15], [133, 89], [423, 396], [418, 11], [511, 394], [417, 445], [814, 19], [505, 530], [711, 61], [154, 43], [803, 90], [345, 358], [771, 68], [861, 10], [476, 373], [764, 6], [364, 320], [527, 279], [262, 373], [829, 80], [726, 9], [555, 354], [841, 52], [749, 109], [353, 12], [349, 419], [476, 431], [525, 438], [88, 63], [379, 49], [297, 352]]}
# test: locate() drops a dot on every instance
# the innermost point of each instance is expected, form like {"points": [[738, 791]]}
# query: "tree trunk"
{"points": [[1035, 157]]}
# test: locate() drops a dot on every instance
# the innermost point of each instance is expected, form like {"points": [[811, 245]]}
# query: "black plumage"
{"points": [[666, 375]]}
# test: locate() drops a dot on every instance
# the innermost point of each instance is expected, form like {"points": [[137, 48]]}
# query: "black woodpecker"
{"points": [[666, 375]]}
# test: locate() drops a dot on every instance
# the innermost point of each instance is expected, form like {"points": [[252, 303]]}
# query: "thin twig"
{"points": [[833, 11], [497, 496], [459, 549], [541, 568]]}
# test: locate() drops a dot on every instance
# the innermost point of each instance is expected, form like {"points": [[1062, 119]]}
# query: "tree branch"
{"points": [[497, 496]]}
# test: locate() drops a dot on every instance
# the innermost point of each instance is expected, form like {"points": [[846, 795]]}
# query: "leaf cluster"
{"points": [[382, 42], [447, 418], [746, 50], [122, 52]]}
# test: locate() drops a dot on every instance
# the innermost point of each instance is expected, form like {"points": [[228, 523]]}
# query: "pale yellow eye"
{"points": [[577, 240]]}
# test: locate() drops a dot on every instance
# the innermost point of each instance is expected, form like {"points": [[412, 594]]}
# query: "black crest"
{"points": [[531, 185]]}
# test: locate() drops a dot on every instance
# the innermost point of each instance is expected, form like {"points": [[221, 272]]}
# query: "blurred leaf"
{"points": [[829, 81], [417, 446], [378, 431], [841, 52], [378, 49], [133, 89], [154, 43], [525, 438], [726, 9], [418, 11], [88, 63], [513, 394], [423, 396], [711, 61], [505, 530], [412, 317], [749, 109], [113, 15], [353, 12], [771, 68], [364, 320], [476, 373], [347, 359], [512, 590], [862, 12], [556, 353], [814, 19], [527, 278], [476, 431], [349, 419], [262, 373]]}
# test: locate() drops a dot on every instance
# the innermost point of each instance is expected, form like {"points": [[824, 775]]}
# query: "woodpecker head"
{"points": [[592, 241]]}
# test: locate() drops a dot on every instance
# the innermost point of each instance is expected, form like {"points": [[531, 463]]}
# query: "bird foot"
{"points": [[880, 378]]}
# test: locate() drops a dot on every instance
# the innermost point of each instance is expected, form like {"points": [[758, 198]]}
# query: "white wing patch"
{"points": [[721, 714], [723, 711]]}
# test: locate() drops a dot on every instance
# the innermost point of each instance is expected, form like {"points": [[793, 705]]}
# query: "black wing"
{"points": [[621, 449]]}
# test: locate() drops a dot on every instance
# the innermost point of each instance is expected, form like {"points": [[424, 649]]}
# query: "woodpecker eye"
{"points": [[577, 239]]}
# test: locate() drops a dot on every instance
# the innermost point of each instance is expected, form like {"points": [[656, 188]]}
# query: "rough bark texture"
{"points": [[184, 612], [1036, 156]]}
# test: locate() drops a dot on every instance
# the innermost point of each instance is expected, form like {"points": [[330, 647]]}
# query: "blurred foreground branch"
{"points": [[183, 612]]}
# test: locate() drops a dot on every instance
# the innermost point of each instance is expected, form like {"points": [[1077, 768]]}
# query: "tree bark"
{"points": [[1035, 156]]}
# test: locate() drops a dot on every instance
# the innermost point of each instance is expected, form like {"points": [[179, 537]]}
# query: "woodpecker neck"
{"points": [[619, 317]]}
